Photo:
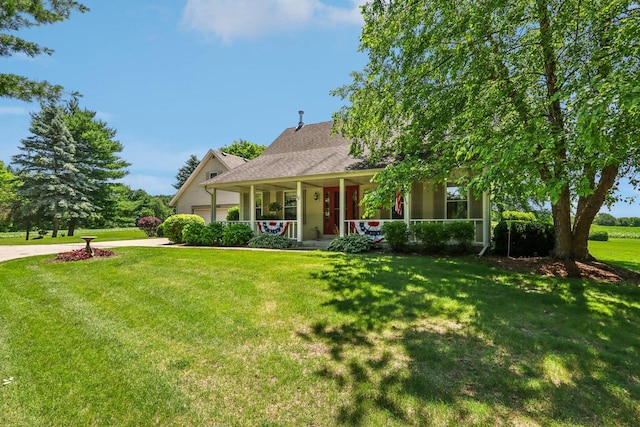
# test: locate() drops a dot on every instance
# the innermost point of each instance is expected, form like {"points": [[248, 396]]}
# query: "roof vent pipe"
{"points": [[300, 123]]}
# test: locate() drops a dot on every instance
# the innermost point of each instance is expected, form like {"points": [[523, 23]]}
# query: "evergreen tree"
{"points": [[52, 182], [18, 14], [96, 157], [185, 171]]}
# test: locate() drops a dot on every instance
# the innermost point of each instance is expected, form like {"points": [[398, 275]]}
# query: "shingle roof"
{"points": [[311, 150], [228, 160]]}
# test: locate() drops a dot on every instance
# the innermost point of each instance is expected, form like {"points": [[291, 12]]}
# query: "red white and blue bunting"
{"points": [[371, 229], [273, 227]]}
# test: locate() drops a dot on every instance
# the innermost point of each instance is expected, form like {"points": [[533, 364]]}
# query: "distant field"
{"points": [[618, 232], [107, 234], [622, 252]]}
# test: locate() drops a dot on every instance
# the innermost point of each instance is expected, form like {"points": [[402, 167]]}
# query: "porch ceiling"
{"points": [[359, 178]]}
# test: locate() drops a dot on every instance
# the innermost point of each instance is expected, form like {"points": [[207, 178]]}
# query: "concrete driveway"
{"points": [[22, 251]]}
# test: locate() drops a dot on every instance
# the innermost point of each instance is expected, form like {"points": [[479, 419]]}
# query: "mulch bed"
{"points": [[546, 266]]}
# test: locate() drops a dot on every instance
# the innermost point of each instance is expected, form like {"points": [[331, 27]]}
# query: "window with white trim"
{"points": [[290, 205], [457, 202], [258, 206]]}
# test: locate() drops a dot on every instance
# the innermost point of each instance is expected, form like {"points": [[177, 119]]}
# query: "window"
{"points": [[290, 205], [258, 205], [456, 202], [213, 174]]}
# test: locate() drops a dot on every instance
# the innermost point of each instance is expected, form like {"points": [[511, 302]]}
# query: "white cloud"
{"points": [[13, 111], [233, 19]]}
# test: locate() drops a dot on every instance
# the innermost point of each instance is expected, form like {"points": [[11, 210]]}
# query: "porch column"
{"points": [[241, 206], [342, 207], [407, 209], [213, 205], [252, 207], [299, 202], [486, 218]]}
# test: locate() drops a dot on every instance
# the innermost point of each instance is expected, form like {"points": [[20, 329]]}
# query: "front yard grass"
{"points": [[622, 252], [165, 336]]}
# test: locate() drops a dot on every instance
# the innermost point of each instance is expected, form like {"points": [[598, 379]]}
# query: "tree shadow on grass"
{"points": [[432, 341]]}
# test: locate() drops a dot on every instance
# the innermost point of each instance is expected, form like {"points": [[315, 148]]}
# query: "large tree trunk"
{"points": [[72, 226]]}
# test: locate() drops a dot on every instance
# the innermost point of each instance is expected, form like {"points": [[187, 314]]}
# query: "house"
{"points": [[195, 199], [318, 187]]}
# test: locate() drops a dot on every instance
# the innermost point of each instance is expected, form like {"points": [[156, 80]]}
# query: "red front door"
{"points": [[332, 207]]}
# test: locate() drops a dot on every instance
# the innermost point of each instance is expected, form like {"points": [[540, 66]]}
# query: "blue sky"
{"points": [[176, 78]]}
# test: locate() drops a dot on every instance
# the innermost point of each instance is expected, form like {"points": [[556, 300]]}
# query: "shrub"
{"points": [[233, 214], [396, 234], [149, 224], [160, 230], [197, 234], [601, 236], [236, 235], [216, 232], [82, 254], [433, 236], [270, 241], [351, 244], [523, 238], [462, 234], [174, 225], [518, 216]]}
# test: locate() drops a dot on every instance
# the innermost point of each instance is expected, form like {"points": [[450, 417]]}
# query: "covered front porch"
{"points": [[328, 206]]}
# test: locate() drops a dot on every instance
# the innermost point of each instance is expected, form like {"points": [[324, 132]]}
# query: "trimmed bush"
{"points": [[601, 236], [236, 235], [174, 225], [270, 241], [524, 237], [160, 230], [149, 224], [462, 234], [233, 214], [396, 235], [518, 216], [196, 234], [351, 244], [432, 236], [215, 229]]}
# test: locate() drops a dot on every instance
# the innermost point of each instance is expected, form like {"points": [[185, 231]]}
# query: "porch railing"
{"points": [[373, 227], [280, 227]]}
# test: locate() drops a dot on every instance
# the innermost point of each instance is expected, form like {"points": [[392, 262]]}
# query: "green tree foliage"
{"points": [[243, 148], [185, 171], [8, 196], [52, 182], [96, 156], [538, 98], [17, 14], [131, 205], [605, 219]]}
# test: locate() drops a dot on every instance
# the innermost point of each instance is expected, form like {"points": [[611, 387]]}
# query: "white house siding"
{"points": [[195, 199]]}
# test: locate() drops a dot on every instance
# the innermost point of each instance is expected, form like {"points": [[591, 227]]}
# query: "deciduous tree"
{"points": [[538, 98], [243, 148], [97, 157]]}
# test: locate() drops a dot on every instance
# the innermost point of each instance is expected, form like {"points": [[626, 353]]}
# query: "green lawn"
{"points": [[618, 232], [622, 252], [107, 234], [166, 336]]}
